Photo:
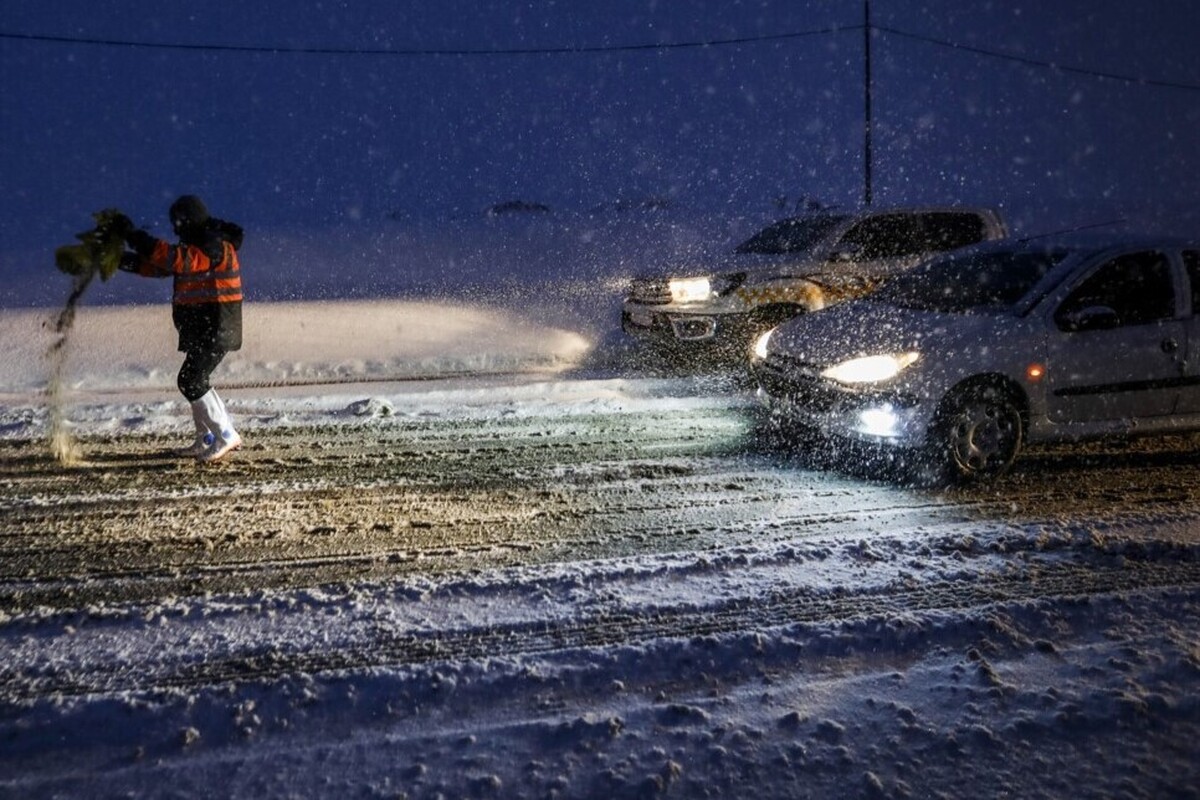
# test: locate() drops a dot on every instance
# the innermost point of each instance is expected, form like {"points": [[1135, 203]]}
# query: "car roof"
{"points": [[1085, 242]]}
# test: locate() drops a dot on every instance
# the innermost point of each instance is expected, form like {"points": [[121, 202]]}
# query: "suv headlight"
{"points": [[690, 290], [697, 290], [870, 369]]}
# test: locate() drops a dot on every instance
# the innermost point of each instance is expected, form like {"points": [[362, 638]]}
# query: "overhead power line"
{"points": [[600, 49], [356, 51], [1033, 62]]}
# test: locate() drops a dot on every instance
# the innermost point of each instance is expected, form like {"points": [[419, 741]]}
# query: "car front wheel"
{"points": [[980, 433]]}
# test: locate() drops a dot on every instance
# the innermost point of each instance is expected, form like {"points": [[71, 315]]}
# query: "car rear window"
{"points": [[989, 282], [885, 236], [794, 235], [951, 230]]}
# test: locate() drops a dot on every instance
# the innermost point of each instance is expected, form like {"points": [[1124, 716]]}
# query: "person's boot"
{"points": [[204, 436], [216, 418]]}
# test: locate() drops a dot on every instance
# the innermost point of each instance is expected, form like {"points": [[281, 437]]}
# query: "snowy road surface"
{"points": [[541, 582], [379, 496], [585, 588]]}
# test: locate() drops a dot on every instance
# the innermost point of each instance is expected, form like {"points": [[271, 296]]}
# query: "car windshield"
{"points": [[987, 282], [790, 235]]}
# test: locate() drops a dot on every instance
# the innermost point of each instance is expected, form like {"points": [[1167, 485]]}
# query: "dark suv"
{"points": [[790, 267]]}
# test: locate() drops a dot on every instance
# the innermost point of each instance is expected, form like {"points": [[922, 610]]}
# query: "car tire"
{"points": [[978, 434]]}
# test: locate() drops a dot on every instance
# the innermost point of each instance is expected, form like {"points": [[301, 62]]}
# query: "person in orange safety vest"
{"points": [[206, 307]]}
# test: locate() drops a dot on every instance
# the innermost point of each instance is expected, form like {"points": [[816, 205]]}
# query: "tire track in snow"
{"points": [[145, 569], [801, 607], [321, 504]]}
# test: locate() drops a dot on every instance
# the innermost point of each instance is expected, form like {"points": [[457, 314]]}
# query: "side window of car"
{"points": [[886, 236], [1191, 260], [951, 230], [1132, 289]]}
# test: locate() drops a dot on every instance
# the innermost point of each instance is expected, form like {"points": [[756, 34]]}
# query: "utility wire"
{"points": [[1033, 62], [595, 49], [338, 51]]}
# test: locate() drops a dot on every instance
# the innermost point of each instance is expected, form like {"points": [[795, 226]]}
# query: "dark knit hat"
{"points": [[188, 212]]}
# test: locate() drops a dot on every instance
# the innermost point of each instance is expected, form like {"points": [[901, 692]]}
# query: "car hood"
{"points": [[861, 328], [756, 265]]}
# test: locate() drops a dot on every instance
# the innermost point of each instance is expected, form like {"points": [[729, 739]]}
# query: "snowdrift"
{"points": [[134, 347]]}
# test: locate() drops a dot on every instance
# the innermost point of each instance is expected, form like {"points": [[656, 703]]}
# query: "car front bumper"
{"points": [[886, 417]]}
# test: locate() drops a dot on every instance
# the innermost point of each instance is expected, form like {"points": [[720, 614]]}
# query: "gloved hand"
{"points": [[141, 242], [129, 262], [121, 225]]}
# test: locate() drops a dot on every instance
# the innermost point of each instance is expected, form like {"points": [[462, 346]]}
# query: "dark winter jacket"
{"points": [[207, 300]]}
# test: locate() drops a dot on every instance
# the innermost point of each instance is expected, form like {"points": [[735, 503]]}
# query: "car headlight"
{"points": [[697, 290], [870, 369], [760, 345], [690, 290]]}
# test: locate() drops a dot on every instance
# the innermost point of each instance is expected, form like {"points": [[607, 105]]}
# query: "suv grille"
{"points": [[652, 291]]}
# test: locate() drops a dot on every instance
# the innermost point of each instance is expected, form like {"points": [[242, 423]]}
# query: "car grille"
{"points": [[652, 291], [795, 381]]}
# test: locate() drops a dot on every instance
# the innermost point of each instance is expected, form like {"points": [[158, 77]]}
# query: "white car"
{"points": [[974, 354]]}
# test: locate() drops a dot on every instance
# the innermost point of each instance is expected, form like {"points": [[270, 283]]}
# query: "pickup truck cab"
{"points": [[792, 266]]}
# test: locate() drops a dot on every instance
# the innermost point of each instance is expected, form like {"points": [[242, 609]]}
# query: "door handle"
{"points": [[1170, 346]]}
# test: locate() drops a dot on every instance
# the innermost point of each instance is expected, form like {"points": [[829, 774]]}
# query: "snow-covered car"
{"points": [[970, 356], [792, 266]]}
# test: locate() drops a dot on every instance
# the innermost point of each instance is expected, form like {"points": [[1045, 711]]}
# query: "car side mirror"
{"points": [[1091, 318]]}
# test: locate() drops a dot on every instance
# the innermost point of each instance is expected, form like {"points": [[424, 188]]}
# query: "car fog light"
{"points": [[694, 328], [880, 421]]}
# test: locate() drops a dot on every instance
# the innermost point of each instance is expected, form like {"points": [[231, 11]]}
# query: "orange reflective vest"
{"points": [[198, 280]]}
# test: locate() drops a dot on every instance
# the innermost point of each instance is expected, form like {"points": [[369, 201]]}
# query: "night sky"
{"points": [[313, 140]]}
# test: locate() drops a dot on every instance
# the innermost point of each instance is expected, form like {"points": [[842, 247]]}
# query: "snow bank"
{"points": [[134, 347]]}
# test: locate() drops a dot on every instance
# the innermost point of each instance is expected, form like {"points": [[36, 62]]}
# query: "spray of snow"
{"points": [[62, 444]]}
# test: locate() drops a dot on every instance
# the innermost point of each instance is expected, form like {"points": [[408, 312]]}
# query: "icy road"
{"points": [[552, 586], [377, 496]]}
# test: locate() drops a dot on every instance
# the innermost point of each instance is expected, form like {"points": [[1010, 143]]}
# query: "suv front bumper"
{"points": [[730, 334]]}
